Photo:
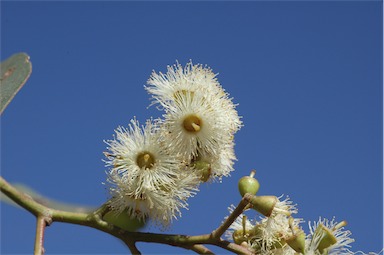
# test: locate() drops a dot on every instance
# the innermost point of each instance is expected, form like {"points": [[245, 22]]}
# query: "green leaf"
{"points": [[15, 71]]}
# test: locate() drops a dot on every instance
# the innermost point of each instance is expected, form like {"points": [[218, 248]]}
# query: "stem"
{"points": [[231, 218], [132, 247], [22, 199], [47, 215], [39, 241], [235, 248], [200, 249], [185, 241], [170, 239], [103, 209]]}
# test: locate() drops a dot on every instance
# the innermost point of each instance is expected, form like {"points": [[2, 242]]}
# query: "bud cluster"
{"points": [[278, 232]]}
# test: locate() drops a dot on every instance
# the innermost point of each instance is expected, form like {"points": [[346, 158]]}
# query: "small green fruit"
{"points": [[248, 184]]}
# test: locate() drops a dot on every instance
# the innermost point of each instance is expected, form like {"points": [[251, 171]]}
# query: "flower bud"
{"points": [[297, 242], [327, 237], [204, 168], [264, 204], [248, 184]]}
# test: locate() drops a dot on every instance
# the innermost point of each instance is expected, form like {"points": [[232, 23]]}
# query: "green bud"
{"points": [[264, 204], [248, 184], [327, 239], [204, 168], [297, 242]]}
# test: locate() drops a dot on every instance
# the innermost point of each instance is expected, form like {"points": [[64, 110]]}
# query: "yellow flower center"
{"points": [[145, 160], [192, 123]]}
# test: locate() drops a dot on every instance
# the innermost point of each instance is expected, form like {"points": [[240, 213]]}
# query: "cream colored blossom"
{"points": [[199, 115], [144, 178]]}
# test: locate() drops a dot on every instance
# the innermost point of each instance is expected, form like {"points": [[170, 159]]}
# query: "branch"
{"points": [[39, 241], [200, 249], [232, 217], [47, 215], [22, 199], [132, 247]]}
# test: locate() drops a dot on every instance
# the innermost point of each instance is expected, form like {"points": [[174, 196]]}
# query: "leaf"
{"points": [[15, 71]]}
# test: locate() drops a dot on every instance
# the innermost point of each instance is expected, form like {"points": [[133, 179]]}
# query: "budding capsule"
{"points": [[248, 184]]}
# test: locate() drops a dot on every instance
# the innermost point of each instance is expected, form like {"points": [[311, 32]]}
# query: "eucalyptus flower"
{"points": [[149, 204], [145, 179], [193, 85], [329, 237], [271, 232], [179, 80], [199, 120], [194, 127]]}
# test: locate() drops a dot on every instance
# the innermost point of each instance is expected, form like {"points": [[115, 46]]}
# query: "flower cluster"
{"points": [[271, 231], [200, 118], [278, 233], [155, 168]]}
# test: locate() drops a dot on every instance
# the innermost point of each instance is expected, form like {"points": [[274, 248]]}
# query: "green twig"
{"points": [[23, 199], [200, 249], [196, 243], [217, 233], [39, 240]]}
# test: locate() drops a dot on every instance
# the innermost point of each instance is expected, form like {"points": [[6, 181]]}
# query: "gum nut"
{"points": [[248, 184]]}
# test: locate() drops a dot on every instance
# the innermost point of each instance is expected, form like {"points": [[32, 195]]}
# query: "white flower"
{"points": [[194, 127], [200, 119], [195, 102], [147, 204], [285, 207], [145, 179], [270, 233], [190, 79], [136, 155], [332, 230], [193, 80], [272, 230]]}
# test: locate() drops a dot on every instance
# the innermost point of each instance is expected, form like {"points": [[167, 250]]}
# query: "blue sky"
{"points": [[307, 77]]}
